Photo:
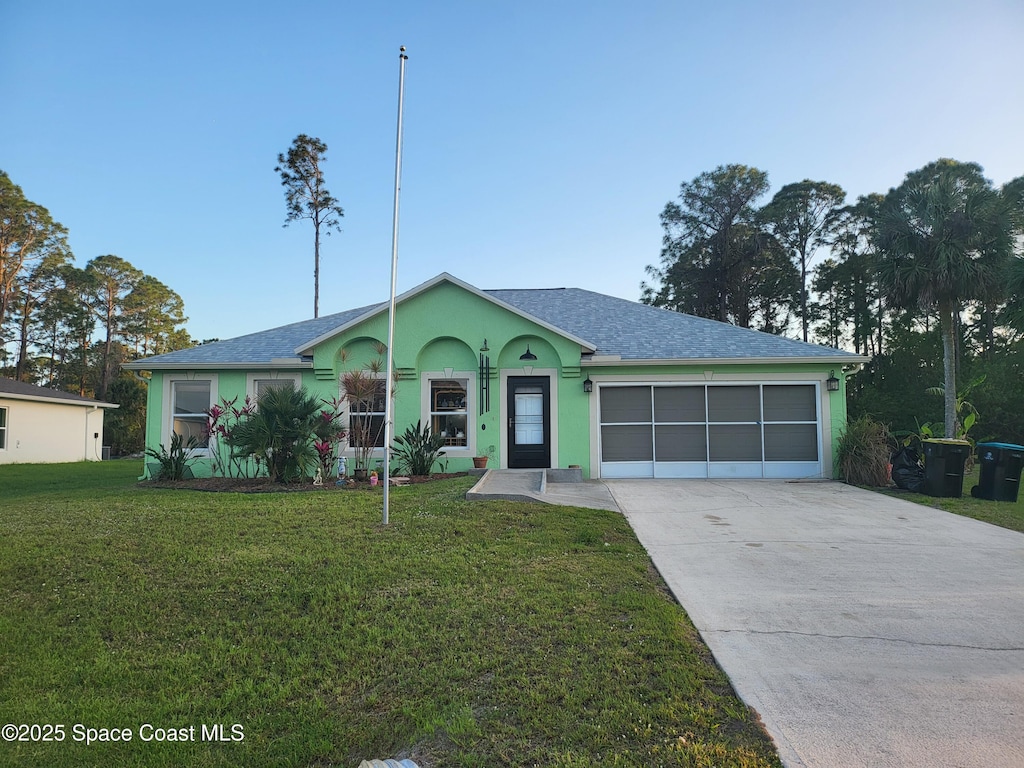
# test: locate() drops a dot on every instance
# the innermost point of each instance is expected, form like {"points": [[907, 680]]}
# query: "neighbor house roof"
{"points": [[11, 389], [608, 329]]}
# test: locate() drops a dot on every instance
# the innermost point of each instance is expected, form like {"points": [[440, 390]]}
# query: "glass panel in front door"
{"points": [[529, 418]]}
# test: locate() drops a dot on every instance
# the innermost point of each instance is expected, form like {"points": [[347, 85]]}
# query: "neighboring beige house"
{"points": [[39, 425]]}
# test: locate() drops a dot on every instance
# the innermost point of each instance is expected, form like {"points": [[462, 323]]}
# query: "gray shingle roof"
{"points": [[20, 389], [617, 327], [637, 331], [253, 348]]}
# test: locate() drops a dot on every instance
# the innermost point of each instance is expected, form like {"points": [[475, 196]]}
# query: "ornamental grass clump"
{"points": [[864, 450]]}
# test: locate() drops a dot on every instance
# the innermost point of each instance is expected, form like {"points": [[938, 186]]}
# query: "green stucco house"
{"points": [[544, 378]]}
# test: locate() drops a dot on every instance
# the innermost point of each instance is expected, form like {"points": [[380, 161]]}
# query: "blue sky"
{"points": [[542, 139]]}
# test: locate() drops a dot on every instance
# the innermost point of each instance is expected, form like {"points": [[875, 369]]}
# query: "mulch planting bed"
{"points": [[263, 485]]}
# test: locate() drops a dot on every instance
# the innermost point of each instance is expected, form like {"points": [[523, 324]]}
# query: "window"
{"points": [[189, 402], [448, 411], [3, 429], [258, 383], [366, 414]]}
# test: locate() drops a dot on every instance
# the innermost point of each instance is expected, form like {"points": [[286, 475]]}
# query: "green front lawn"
{"points": [[1003, 513], [463, 634]]}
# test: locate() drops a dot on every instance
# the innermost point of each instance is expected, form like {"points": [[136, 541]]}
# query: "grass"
{"points": [[463, 634], [1002, 513]]}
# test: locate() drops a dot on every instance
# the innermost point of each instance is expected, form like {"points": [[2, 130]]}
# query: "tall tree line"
{"points": [[70, 328], [927, 280]]}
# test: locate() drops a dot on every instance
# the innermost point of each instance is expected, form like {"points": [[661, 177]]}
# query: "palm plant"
{"points": [[945, 236], [281, 433]]}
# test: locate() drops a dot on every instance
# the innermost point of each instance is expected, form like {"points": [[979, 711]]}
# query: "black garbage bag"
{"points": [[907, 470]]}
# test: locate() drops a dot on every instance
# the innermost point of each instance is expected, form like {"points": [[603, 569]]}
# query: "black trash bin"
{"points": [[999, 474], [944, 467]]}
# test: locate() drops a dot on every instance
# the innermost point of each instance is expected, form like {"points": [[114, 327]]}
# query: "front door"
{"points": [[529, 422]]}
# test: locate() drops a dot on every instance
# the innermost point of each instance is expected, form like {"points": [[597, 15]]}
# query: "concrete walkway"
{"points": [[543, 486], [865, 630]]}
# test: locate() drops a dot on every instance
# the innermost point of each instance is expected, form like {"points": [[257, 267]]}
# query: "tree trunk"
{"points": [[803, 293], [949, 365], [21, 368], [316, 269]]}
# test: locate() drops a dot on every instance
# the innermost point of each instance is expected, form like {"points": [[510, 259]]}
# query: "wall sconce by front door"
{"points": [[832, 383], [588, 385], [528, 355], [485, 381]]}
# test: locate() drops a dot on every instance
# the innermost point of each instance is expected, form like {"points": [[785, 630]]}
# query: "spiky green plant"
{"points": [[417, 449], [174, 461]]}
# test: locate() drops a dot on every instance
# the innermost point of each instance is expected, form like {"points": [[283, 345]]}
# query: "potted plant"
{"points": [[480, 462]]}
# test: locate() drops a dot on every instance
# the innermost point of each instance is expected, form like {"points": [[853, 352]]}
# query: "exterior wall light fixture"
{"points": [[832, 383]]}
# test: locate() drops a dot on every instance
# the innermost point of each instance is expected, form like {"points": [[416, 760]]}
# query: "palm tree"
{"points": [[945, 235]]}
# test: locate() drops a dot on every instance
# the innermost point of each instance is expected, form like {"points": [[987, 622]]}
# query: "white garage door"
{"points": [[705, 430]]}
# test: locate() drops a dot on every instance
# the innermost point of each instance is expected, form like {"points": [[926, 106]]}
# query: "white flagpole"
{"points": [[389, 386]]}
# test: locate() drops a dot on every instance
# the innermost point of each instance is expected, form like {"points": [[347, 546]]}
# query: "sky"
{"points": [[542, 139]]}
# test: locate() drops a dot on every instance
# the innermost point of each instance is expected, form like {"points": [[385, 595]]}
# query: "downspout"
{"points": [[853, 370], [147, 382], [88, 426]]}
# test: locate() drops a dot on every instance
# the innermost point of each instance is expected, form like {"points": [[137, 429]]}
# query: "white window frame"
{"points": [[4, 427], [350, 449], [469, 380], [252, 378], [167, 429]]}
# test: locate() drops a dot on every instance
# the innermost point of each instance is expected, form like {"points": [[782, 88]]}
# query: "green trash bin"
{"points": [[999, 471], [944, 467]]}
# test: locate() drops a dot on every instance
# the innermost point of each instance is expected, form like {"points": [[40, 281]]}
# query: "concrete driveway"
{"points": [[865, 630]]}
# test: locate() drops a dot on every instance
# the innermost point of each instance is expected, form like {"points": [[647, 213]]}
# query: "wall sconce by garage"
{"points": [[588, 385], [528, 355], [832, 383]]}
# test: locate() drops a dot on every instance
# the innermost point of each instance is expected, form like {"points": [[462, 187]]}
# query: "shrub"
{"points": [[863, 453], [417, 449], [282, 430]]}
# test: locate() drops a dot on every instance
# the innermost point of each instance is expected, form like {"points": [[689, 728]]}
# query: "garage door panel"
{"points": [[625, 469], [679, 404], [680, 442], [790, 442], [789, 402], [689, 470], [627, 442], [734, 403], [747, 469], [782, 470], [625, 404], [734, 442]]}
